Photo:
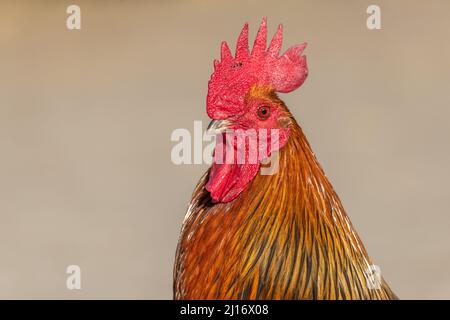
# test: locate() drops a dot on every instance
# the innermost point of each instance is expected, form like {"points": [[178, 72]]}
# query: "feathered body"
{"points": [[281, 236]]}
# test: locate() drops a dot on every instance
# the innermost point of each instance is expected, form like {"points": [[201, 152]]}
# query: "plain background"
{"points": [[86, 116]]}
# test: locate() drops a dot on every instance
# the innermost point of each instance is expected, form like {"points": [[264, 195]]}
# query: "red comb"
{"points": [[233, 77]]}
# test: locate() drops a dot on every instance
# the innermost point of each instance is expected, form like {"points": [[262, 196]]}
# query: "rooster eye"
{"points": [[263, 112]]}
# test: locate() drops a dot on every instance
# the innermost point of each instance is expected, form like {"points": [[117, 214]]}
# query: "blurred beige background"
{"points": [[86, 116]]}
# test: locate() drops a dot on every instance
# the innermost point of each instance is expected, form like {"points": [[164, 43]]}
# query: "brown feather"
{"points": [[286, 236]]}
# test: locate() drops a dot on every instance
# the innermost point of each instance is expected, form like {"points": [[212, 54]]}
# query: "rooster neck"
{"points": [[298, 190], [286, 236]]}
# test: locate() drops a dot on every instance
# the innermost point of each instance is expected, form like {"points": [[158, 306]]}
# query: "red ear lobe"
{"points": [[290, 70]]}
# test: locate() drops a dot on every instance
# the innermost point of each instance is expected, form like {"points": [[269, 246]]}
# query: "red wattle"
{"points": [[228, 179]]}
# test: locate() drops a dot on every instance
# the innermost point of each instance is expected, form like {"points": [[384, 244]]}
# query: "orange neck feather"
{"points": [[285, 237]]}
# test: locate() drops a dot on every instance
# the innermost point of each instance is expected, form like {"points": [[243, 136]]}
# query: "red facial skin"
{"points": [[262, 113]]}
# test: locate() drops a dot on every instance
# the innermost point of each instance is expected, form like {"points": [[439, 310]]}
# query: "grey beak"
{"points": [[218, 126]]}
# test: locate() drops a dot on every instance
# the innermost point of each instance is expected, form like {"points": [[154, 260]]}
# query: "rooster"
{"points": [[280, 236]]}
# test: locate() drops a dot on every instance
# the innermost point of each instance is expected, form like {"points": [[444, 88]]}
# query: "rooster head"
{"points": [[242, 96]]}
